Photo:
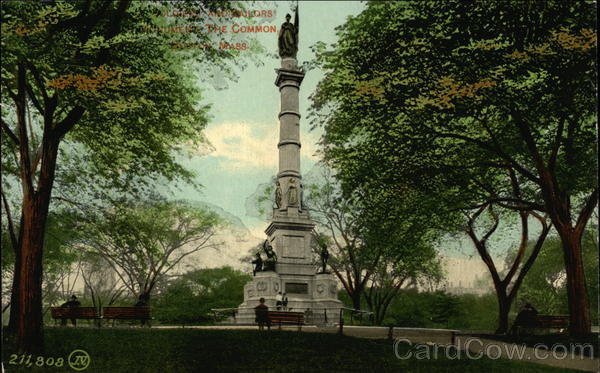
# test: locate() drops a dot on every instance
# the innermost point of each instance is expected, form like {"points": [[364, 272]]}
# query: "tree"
{"points": [[102, 283], [351, 260], [144, 241], [545, 286], [377, 237], [84, 72], [507, 285], [445, 306], [505, 84], [393, 272], [60, 261], [190, 297]]}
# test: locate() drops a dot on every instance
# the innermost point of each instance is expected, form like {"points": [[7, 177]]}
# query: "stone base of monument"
{"points": [[315, 295]]}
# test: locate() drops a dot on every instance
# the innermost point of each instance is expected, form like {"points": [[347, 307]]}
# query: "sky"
{"points": [[243, 130]]}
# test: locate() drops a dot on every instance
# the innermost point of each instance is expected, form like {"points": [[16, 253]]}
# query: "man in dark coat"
{"points": [[262, 315], [527, 317], [142, 302], [71, 303]]}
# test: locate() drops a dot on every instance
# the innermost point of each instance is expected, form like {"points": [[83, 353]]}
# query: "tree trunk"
{"points": [[380, 315], [559, 209], [29, 295], [14, 299], [356, 294], [377, 309], [29, 326], [579, 304], [504, 304], [146, 296]]}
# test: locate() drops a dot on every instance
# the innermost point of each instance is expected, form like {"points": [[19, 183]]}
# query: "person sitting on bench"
{"points": [[71, 303], [262, 315], [526, 317], [142, 302]]}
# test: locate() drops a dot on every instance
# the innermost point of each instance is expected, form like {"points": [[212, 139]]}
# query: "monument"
{"points": [[289, 266]]}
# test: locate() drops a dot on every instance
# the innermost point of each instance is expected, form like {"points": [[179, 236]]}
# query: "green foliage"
{"points": [[428, 310], [145, 240], [140, 97], [377, 238], [85, 74], [444, 307], [60, 235], [347, 301], [470, 104], [545, 285], [413, 97], [189, 298], [59, 257]]}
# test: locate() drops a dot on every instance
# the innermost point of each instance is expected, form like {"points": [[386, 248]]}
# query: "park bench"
{"points": [[286, 318], [127, 313], [68, 313], [543, 322]]}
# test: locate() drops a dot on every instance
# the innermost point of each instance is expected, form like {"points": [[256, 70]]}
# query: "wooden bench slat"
{"points": [[74, 313], [552, 321], [545, 322], [288, 318], [127, 313]]}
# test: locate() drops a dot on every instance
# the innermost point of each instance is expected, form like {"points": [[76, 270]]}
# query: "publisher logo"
{"points": [[79, 360]]}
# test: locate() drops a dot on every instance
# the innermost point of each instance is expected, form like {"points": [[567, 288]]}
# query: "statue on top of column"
{"points": [[288, 36]]}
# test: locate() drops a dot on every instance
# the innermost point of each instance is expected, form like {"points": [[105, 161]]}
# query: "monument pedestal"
{"points": [[319, 303], [315, 294]]}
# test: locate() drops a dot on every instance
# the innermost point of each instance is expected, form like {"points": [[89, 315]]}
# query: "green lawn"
{"points": [[186, 350]]}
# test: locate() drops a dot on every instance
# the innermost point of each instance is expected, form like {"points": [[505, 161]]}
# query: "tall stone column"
{"points": [[289, 78], [290, 231]]}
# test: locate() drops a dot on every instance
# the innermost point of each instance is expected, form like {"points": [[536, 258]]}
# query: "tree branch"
{"points": [[25, 163], [494, 226], [485, 146], [557, 141], [526, 205], [9, 133], [529, 140], [587, 211], [536, 250], [522, 247], [34, 99], [11, 229], [69, 121]]}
